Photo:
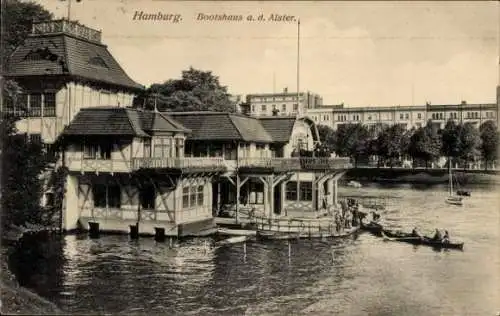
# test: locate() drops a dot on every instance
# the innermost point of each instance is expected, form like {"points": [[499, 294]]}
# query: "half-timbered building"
{"points": [[127, 167], [176, 171]]}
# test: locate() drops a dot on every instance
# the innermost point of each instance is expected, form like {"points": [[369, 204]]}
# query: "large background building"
{"points": [[284, 103], [407, 116]]}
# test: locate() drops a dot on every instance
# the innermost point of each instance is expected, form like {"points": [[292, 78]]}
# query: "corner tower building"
{"points": [[63, 66]]}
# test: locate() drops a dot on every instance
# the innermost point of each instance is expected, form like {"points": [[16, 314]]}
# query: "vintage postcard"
{"points": [[250, 157]]}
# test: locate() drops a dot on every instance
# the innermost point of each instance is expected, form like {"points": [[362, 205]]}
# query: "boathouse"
{"points": [[127, 167], [177, 171]]}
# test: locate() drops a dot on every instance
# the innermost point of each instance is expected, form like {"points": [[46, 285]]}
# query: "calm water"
{"points": [[358, 276]]}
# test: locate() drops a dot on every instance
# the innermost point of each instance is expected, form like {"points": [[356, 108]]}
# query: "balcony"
{"points": [[292, 164], [98, 165], [183, 164]]}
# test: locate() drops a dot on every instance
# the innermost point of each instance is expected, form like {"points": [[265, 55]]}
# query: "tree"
{"points": [[197, 90], [18, 17], [327, 137], [489, 142], [390, 144], [22, 162], [425, 144], [470, 143], [451, 141], [352, 140]]}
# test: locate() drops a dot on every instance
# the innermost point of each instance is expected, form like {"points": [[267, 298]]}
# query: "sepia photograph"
{"points": [[168, 157]]}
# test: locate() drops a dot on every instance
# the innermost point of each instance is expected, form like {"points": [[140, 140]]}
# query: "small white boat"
{"points": [[354, 184], [232, 240], [452, 199]]}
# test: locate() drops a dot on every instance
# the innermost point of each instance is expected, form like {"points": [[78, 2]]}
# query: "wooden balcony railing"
{"points": [[98, 165], [295, 164], [277, 164], [207, 164], [179, 163]]}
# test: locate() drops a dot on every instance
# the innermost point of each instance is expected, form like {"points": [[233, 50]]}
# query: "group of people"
{"points": [[437, 235], [348, 215]]}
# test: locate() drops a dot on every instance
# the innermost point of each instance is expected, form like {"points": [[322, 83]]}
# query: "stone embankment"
{"points": [[15, 299]]}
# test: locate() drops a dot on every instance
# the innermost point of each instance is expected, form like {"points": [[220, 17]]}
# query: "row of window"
{"points": [[455, 115], [33, 104], [192, 196], [109, 196], [267, 99], [322, 117], [274, 107], [303, 191], [163, 147]]}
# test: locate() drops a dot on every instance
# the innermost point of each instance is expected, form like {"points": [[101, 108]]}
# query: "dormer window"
{"points": [[41, 54], [98, 61]]}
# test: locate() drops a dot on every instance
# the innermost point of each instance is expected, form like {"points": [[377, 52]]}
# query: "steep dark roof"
{"points": [[101, 121], [63, 54], [222, 126], [279, 127]]}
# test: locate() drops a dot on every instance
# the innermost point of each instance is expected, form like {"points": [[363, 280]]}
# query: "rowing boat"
{"points": [[427, 241], [372, 227]]}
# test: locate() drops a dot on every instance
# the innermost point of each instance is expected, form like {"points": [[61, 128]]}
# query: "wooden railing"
{"points": [[298, 163], [271, 163], [98, 165], [198, 163], [178, 163]]}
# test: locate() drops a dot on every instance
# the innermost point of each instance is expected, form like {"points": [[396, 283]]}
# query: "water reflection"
{"points": [[356, 276]]}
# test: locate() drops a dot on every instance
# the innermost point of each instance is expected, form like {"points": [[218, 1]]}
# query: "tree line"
{"points": [[392, 144]]}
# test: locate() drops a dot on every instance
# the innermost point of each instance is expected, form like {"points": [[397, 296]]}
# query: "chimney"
{"points": [[285, 90], [464, 102]]}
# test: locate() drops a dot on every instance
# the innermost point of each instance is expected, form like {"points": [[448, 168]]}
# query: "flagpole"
{"points": [[69, 9], [298, 67]]}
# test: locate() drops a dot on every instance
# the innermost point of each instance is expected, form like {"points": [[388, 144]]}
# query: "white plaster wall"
{"points": [[300, 127], [70, 213]]}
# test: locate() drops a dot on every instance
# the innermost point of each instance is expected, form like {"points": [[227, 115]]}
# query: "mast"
{"points": [[298, 67], [450, 176]]}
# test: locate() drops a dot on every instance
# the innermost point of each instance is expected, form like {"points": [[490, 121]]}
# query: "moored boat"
{"points": [[273, 235], [354, 184], [463, 193], [372, 227], [232, 240]]}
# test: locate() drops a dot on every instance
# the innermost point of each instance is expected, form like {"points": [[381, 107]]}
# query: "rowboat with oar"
{"points": [[427, 241]]}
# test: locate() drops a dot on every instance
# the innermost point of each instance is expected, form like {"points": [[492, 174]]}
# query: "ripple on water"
{"points": [[363, 276]]}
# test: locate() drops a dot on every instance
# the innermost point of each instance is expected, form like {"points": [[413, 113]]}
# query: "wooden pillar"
{"points": [[237, 196], [218, 196], [330, 191], [298, 187], [270, 185], [335, 191], [314, 193], [283, 197]]}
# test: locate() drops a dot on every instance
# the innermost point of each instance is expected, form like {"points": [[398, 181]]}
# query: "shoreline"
{"points": [[421, 176], [16, 299]]}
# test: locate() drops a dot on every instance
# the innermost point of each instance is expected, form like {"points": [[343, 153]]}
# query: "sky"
{"points": [[356, 53]]}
